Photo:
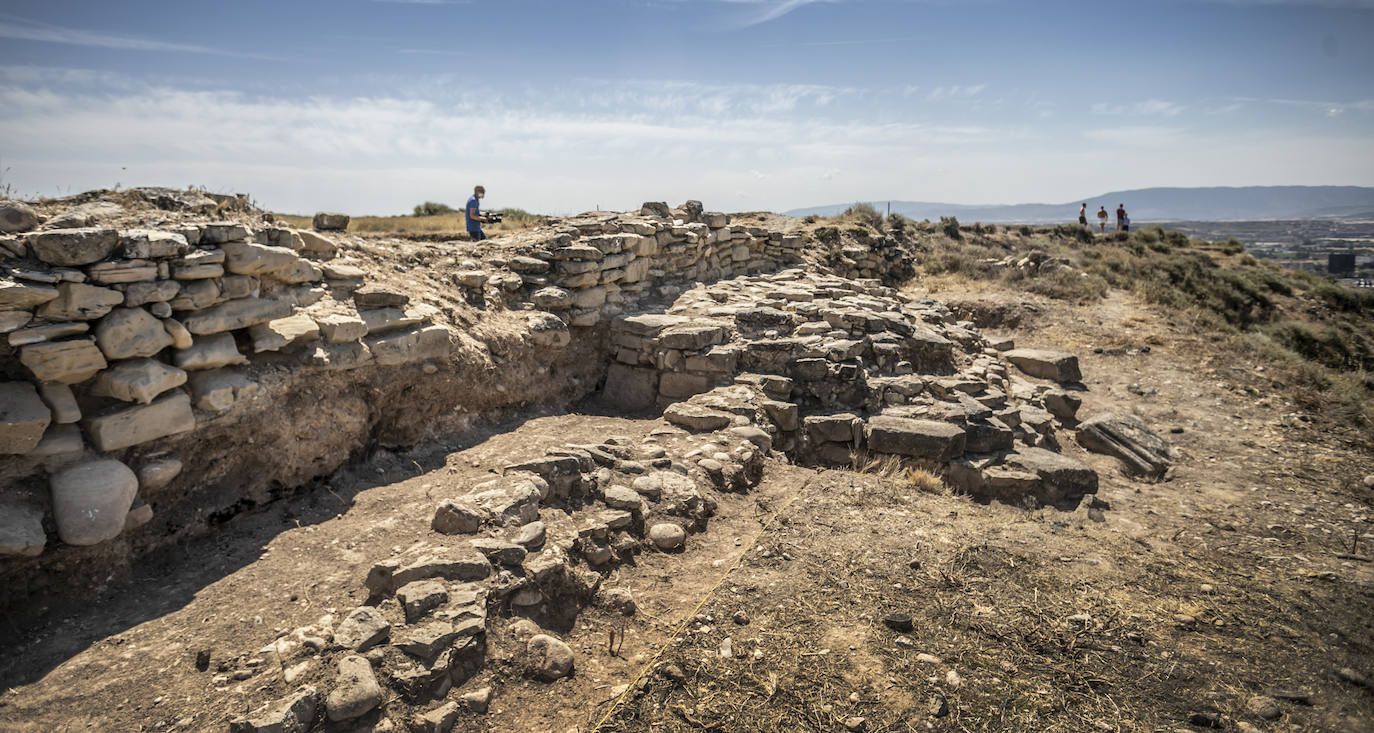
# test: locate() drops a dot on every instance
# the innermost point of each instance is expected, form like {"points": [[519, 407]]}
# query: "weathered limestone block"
{"points": [[316, 244], [78, 301], [21, 528], [122, 271], [355, 690], [282, 332], [386, 576], [340, 328], [23, 418], [59, 440], [335, 357], [59, 399], [194, 295], [680, 385], [90, 500], [73, 247], [47, 332], [548, 330], [209, 352], [1062, 477], [1062, 404], [168, 415], [430, 342], [630, 388], [363, 628], [918, 438], [303, 271], [691, 337], [16, 216], [18, 295], [328, 222], [293, 714], [64, 362], [343, 271], [250, 258], [844, 427], [13, 320], [218, 390], [201, 264], [130, 333], [138, 380], [161, 291], [235, 314], [218, 232], [696, 418], [1059, 366], [552, 298], [1130, 440], [149, 244], [380, 320], [593, 297]]}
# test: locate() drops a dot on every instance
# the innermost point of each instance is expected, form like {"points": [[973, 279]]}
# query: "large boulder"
{"points": [[1128, 438], [1059, 366], [550, 658], [23, 418], [73, 247], [90, 500]]}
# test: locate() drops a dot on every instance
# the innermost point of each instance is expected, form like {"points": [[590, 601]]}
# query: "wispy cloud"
{"points": [[44, 33], [1147, 108], [771, 10], [955, 91], [429, 52]]}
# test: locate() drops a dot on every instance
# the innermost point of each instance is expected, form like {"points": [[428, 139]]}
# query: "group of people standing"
{"points": [[1123, 222]]}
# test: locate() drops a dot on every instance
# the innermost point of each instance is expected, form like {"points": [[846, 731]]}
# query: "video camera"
{"points": [[492, 217]]}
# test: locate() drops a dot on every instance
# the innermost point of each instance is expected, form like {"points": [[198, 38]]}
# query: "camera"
{"points": [[492, 217]]}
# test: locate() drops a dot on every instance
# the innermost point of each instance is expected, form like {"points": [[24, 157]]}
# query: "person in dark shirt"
{"points": [[473, 214], [1083, 215], [1120, 217]]}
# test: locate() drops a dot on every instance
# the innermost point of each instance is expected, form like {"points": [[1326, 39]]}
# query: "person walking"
{"points": [[1125, 221], [1120, 217], [473, 215], [1083, 216], [1102, 219]]}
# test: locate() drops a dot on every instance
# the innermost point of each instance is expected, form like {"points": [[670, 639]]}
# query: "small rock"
{"points": [[953, 679], [550, 658], [619, 600], [740, 618], [355, 690], [532, 535], [855, 723], [478, 700], [1264, 707], [667, 536], [898, 622], [420, 597], [363, 627]]}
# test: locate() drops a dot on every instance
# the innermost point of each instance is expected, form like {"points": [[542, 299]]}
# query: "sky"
{"points": [[556, 106]]}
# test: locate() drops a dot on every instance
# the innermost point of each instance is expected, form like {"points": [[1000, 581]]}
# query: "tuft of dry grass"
{"points": [[905, 473]]}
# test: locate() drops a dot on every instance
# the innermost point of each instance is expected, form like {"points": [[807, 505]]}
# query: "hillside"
{"points": [[1153, 204]]}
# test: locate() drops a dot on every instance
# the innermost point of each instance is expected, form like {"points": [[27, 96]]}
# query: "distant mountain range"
{"points": [[1155, 204]]}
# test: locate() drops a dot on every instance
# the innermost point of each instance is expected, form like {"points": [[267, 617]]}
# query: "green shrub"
{"points": [[809, 219], [950, 226], [828, 235], [434, 208], [1349, 300], [1025, 230], [898, 224], [1232, 246]]}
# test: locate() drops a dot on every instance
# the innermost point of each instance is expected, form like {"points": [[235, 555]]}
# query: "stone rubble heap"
{"points": [[847, 367]]}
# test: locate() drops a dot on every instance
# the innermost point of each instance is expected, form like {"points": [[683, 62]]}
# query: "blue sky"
{"points": [[371, 106]]}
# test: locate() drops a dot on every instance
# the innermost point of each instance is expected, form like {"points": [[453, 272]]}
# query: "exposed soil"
{"points": [[1244, 572]]}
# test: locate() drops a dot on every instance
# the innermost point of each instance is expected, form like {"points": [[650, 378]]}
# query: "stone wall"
{"points": [[174, 367]]}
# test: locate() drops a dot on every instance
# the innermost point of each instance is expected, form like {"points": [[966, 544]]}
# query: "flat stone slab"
{"points": [[80, 302], [73, 247], [22, 296], [134, 425], [209, 352], [1059, 366], [917, 438], [1130, 440], [235, 314], [64, 362]]}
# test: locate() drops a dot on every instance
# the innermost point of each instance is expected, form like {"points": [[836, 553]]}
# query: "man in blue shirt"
{"points": [[474, 215]]}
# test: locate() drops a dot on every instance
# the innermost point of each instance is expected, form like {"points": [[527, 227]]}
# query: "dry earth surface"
{"points": [[1233, 594]]}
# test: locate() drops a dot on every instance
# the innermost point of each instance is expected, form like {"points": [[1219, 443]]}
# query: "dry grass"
{"points": [[901, 471], [453, 224]]}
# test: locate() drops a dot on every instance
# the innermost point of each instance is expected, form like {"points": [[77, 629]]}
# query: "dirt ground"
{"points": [[1244, 574]]}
